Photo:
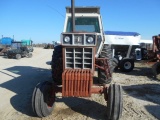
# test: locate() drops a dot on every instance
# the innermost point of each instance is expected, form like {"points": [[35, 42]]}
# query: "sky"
{"points": [[43, 20]]}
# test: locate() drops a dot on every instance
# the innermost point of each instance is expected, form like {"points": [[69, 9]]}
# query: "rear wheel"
{"points": [[106, 53], [29, 55], [127, 65], [57, 64], [18, 56], [9, 56], [115, 64], [115, 102], [43, 99]]}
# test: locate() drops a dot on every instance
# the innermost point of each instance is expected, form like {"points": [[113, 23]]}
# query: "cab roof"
{"points": [[84, 10]]}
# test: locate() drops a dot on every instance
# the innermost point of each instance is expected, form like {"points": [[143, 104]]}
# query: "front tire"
{"points": [[114, 102], [18, 56], [43, 99]]}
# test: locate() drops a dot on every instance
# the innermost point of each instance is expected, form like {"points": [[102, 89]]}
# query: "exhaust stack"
{"points": [[73, 15]]}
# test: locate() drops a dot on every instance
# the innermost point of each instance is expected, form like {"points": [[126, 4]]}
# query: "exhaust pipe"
{"points": [[73, 15]]}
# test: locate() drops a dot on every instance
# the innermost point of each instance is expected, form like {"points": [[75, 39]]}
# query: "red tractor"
{"points": [[82, 53], [150, 53], [155, 56]]}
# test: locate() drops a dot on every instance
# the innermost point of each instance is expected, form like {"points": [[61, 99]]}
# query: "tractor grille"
{"points": [[79, 58]]}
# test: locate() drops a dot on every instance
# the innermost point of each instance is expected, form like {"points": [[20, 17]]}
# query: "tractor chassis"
{"points": [[72, 78]]}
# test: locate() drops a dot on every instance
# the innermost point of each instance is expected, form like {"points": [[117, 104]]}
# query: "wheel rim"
{"points": [[127, 65], [18, 56]]}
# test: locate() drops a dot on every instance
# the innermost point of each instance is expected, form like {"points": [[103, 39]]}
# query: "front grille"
{"points": [[79, 58]]}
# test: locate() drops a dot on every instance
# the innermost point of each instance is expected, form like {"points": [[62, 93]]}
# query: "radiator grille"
{"points": [[79, 58]]}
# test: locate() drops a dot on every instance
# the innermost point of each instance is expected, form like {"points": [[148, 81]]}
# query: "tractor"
{"points": [[81, 53], [18, 51], [154, 56], [150, 54]]}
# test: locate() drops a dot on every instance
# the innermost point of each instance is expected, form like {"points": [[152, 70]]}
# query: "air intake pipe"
{"points": [[73, 15]]}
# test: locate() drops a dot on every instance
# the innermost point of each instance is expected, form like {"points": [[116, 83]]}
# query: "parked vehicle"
{"points": [[18, 51], [28, 44], [82, 50], [123, 45], [152, 55], [48, 46], [4, 49], [6, 41]]}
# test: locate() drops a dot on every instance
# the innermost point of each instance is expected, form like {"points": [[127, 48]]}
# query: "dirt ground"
{"points": [[141, 92]]}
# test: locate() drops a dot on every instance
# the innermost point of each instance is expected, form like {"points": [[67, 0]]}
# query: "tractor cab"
{"points": [[28, 44], [16, 45], [87, 21]]}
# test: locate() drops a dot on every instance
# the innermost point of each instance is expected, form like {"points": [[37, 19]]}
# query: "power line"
{"points": [[56, 11]]}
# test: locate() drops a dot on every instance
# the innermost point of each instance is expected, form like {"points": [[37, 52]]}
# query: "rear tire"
{"points": [[106, 53], [126, 65], [9, 56], [57, 64], [115, 64], [115, 102], [29, 55]]}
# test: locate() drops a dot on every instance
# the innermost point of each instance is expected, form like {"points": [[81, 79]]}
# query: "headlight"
{"points": [[90, 39], [67, 39]]}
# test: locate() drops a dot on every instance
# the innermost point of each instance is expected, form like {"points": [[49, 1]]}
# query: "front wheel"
{"points": [[126, 65], [114, 102], [9, 56], [18, 56], [43, 99]]}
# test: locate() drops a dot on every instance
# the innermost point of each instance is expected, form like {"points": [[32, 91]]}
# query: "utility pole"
{"points": [[73, 15]]}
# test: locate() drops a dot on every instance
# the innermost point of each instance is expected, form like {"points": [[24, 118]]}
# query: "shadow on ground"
{"points": [[138, 71], [29, 77], [146, 92], [24, 85], [85, 107], [48, 62]]}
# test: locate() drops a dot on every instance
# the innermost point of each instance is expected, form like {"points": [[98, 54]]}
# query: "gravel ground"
{"points": [[141, 92]]}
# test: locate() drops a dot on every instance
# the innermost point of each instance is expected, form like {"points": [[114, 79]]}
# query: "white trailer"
{"points": [[124, 46]]}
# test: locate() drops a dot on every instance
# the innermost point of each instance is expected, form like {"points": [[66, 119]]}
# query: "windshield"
{"points": [[84, 24], [16, 45]]}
